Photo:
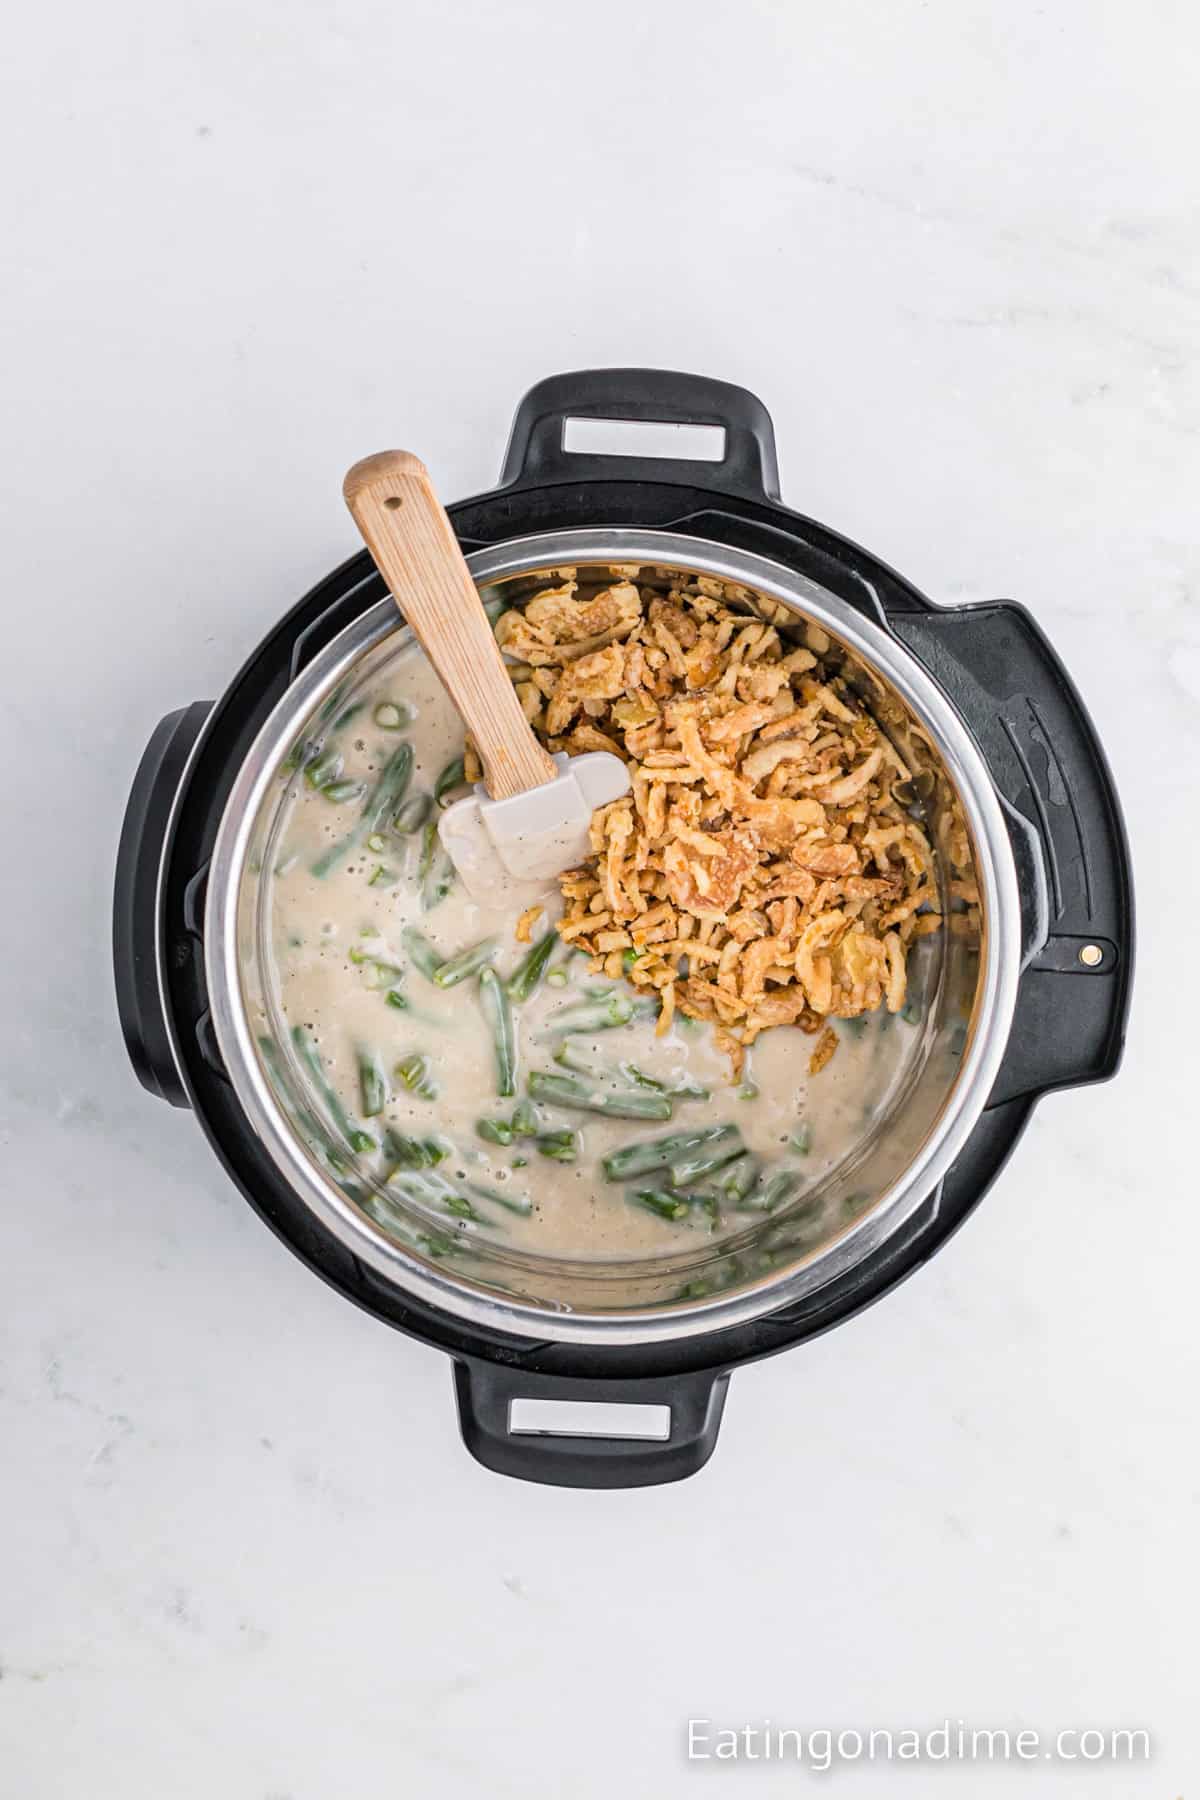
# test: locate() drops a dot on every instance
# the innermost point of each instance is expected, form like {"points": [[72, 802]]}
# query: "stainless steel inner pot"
{"points": [[966, 977]]}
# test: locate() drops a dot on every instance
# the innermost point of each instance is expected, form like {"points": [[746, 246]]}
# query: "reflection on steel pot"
{"points": [[1006, 770]]}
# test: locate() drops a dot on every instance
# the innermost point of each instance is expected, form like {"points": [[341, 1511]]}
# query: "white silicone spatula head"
{"points": [[528, 819]]}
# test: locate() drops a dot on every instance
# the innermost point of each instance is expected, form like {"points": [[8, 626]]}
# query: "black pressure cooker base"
{"points": [[992, 661]]}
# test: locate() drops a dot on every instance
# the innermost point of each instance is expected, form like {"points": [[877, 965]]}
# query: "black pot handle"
{"points": [[137, 924], [486, 1393], [1006, 680], [746, 466]]}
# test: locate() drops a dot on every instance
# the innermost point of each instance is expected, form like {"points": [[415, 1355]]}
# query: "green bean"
{"points": [[436, 871], [376, 972], [519, 1203], [557, 978], [372, 1083], [310, 1056], [801, 1139], [412, 814], [391, 715], [400, 1000], [564, 1090], [389, 789], [519, 1162], [525, 1123], [325, 767], [381, 802], [340, 793], [560, 1146], [571, 1055], [452, 776], [684, 1089], [406, 1152], [736, 1179], [319, 1137], [421, 953], [413, 1071], [498, 1013], [667, 1206], [527, 976], [383, 876], [772, 1190], [656, 1153], [494, 1131], [448, 974], [592, 1015], [705, 1159]]}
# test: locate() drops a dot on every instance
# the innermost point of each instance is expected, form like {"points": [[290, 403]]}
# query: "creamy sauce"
{"points": [[337, 942]]}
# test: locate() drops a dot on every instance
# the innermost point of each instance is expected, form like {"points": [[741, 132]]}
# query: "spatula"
{"points": [[528, 819]]}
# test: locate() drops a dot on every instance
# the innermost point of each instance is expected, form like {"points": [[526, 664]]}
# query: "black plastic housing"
{"points": [[992, 662]]}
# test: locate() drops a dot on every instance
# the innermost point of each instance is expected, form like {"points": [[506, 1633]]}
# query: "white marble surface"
{"points": [[955, 247]]}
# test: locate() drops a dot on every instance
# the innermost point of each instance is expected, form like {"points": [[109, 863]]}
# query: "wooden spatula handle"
{"points": [[413, 542]]}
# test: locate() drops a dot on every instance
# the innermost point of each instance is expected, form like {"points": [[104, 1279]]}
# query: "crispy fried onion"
{"points": [[761, 870]]}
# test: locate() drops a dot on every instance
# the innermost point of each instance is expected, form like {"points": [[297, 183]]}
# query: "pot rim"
{"points": [[1000, 961]]}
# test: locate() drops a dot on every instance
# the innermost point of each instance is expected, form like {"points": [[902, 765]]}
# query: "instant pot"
{"points": [[1024, 991]]}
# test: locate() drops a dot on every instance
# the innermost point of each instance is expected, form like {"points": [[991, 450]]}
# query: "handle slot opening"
{"points": [[588, 1418], [643, 437]]}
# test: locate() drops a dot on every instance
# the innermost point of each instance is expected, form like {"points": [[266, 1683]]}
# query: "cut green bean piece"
{"points": [[599, 1014], [413, 1071], [436, 871], [452, 776], [393, 715], [342, 792], [448, 974], [518, 1202], [705, 1159], [406, 1152], [324, 768], [424, 958], [397, 998], [383, 876], [557, 978], [572, 1055], [736, 1179], [318, 1136], [498, 1013], [686, 1088], [494, 1131], [801, 1139], [527, 976], [657, 1153], [412, 814], [372, 1083], [773, 1189], [310, 1056], [565, 1090], [376, 972], [560, 1146], [525, 1122], [674, 1207], [390, 788], [381, 802]]}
